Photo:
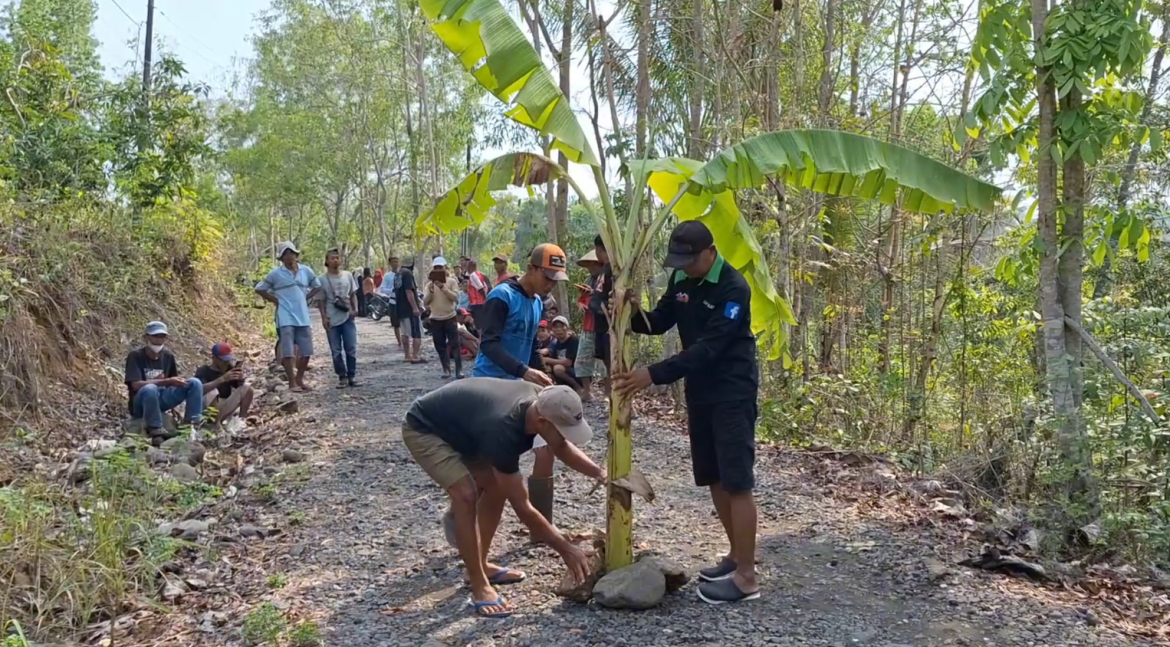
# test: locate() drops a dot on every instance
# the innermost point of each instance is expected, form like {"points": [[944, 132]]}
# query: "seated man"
{"points": [[543, 339], [470, 454], [152, 378], [223, 385], [468, 334], [562, 353]]}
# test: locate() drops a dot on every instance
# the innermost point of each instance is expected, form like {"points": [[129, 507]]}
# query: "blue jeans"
{"points": [[151, 401], [344, 337]]}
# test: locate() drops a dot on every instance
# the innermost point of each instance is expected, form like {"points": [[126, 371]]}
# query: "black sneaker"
{"points": [[342, 382], [721, 571], [723, 592], [353, 383]]}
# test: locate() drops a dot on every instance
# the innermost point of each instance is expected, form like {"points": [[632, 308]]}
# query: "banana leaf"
{"points": [[470, 201], [494, 50], [734, 240], [845, 164]]}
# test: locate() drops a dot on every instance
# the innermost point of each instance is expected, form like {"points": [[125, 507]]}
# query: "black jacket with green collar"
{"points": [[713, 315]]}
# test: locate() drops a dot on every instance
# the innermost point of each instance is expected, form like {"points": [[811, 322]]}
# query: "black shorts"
{"points": [[394, 315], [601, 347], [723, 444]]}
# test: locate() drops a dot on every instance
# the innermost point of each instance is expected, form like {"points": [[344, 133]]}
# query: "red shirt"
{"points": [[474, 296]]}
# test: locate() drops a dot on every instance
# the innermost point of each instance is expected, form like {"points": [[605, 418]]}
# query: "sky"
{"points": [[213, 39]]}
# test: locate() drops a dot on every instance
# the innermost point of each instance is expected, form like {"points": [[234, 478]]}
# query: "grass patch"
{"points": [[305, 634], [277, 581], [263, 625], [73, 556]]}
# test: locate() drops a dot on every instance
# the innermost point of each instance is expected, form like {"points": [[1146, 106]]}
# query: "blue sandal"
{"points": [[481, 608], [498, 578]]}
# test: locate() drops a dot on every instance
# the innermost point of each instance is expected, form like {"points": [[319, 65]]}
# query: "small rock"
{"points": [[190, 529], [292, 456], [106, 452], [289, 407], [185, 451], [172, 589], [935, 569], [676, 576], [248, 530], [79, 470], [639, 586], [184, 473], [196, 583], [583, 591], [155, 456]]}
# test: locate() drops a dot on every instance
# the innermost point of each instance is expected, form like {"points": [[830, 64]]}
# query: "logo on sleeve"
{"points": [[731, 310]]}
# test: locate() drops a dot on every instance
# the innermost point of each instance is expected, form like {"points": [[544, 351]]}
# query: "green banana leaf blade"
{"points": [[735, 241], [469, 202], [845, 164], [494, 50]]}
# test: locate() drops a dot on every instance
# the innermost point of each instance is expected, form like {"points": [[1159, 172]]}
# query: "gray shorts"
{"points": [[299, 336]]}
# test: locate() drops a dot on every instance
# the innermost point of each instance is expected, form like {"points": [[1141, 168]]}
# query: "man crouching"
{"points": [[468, 436]]}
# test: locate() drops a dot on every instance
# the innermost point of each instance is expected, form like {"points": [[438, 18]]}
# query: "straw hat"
{"points": [[591, 257]]}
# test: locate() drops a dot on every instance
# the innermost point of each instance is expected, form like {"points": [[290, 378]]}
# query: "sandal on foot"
{"points": [[503, 577], [724, 592], [721, 571], [481, 608]]}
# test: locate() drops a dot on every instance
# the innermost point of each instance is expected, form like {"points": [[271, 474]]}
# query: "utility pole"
{"points": [[149, 42]]}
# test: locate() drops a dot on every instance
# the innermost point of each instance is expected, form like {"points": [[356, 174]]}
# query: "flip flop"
{"points": [[481, 608], [499, 578]]}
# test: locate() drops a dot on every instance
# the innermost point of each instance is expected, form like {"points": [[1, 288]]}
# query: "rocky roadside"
{"points": [[360, 552]]}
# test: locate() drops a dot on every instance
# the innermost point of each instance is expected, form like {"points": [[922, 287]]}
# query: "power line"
{"points": [[186, 33], [136, 22]]}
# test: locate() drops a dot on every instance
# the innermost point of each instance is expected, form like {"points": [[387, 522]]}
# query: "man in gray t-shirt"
{"points": [[469, 435], [338, 305]]}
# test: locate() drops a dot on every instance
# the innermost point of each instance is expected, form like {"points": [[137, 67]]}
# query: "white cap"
{"points": [[561, 406], [286, 246], [561, 319], [156, 328], [439, 261]]}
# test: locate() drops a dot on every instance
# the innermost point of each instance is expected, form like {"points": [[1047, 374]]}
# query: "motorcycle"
{"points": [[378, 307]]}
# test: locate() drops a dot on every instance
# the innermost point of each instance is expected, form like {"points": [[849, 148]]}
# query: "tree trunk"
{"points": [[1070, 440], [695, 129]]}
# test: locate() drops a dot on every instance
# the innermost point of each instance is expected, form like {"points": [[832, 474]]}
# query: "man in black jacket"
{"points": [[710, 302]]}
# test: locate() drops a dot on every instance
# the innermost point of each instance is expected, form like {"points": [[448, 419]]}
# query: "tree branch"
{"points": [[1147, 408]]}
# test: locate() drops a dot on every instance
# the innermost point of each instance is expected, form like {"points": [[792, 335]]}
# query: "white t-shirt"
{"points": [[342, 285]]}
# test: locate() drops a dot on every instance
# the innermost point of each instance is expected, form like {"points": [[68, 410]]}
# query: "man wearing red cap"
{"points": [[223, 384]]}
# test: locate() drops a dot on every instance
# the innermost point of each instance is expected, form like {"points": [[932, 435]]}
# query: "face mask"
{"points": [[156, 347]]}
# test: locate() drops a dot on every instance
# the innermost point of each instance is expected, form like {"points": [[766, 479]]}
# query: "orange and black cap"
{"points": [[551, 259]]}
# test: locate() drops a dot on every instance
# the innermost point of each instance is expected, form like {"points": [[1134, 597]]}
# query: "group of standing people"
{"points": [[476, 458]]}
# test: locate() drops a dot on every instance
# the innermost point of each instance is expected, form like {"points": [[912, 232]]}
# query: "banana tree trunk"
{"points": [[619, 514]]}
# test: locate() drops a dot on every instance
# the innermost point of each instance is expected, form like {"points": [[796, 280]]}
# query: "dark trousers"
{"points": [[343, 345], [446, 336]]}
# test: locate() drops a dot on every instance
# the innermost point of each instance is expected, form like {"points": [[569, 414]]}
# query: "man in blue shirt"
{"points": [[291, 286], [508, 322]]}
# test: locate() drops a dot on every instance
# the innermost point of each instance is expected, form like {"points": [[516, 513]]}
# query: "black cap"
{"points": [[687, 241]]}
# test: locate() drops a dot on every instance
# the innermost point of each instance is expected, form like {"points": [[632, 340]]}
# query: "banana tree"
{"points": [[494, 50]]}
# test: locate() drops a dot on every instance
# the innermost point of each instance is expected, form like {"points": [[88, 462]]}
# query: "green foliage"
{"points": [[276, 581], [263, 625], [305, 634]]}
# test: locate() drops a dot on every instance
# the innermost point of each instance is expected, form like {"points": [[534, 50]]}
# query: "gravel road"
{"points": [[371, 564]]}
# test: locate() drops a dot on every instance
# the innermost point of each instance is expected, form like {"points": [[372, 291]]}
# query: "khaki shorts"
{"points": [[438, 459]]}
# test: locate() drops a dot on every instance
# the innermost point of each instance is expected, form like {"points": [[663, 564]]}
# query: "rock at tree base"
{"points": [[583, 591], [639, 586], [292, 456], [676, 576], [184, 473]]}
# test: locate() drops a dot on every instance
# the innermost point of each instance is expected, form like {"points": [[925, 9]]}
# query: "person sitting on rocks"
{"points": [[562, 353], [469, 454], [152, 378], [223, 385]]}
